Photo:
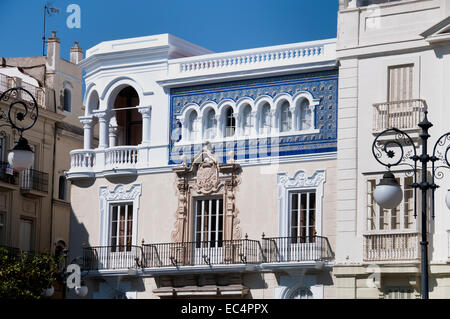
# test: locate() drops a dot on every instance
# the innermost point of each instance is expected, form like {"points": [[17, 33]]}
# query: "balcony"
{"points": [[297, 249], [34, 183], [204, 255], [120, 160], [224, 252], [8, 82], [111, 257], [391, 247], [404, 115], [82, 163], [112, 161], [8, 178]]}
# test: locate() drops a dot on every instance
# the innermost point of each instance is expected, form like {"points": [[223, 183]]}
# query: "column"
{"points": [[113, 128], [146, 112], [293, 117], [87, 122], [103, 119], [219, 133], [273, 118]]}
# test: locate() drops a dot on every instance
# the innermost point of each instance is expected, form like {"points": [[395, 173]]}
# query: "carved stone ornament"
{"points": [[205, 176], [120, 193]]}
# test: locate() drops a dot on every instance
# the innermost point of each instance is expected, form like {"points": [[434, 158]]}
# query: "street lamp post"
{"points": [[22, 114], [400, 150]]}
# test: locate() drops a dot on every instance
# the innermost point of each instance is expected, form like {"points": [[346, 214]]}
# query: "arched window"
{"points": [[285, 117], [230, 122], [266, 125], [62, 188], [304, 116], [67, 94], [210, 125], [301, 293], [193, 126], [247, 120]]}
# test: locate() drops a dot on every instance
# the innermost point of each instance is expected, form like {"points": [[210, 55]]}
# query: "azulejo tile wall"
{"points": [[321, 85]]}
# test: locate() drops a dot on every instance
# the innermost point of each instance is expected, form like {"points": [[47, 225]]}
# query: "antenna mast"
{"points": [[48, 9]]}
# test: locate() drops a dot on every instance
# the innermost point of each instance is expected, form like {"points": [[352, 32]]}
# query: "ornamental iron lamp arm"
{"points": [[400, 149], [22, 115]]}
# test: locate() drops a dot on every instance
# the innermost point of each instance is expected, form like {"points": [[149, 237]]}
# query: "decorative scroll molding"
{"points": [[206, 177], [120, 193], [300, 180]]}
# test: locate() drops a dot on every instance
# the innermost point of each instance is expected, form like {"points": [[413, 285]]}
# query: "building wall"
{"points": [[370, 40]]}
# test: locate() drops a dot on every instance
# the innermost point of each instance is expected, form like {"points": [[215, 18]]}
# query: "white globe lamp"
{"points": [[21, 157], [81, 291], [388, 193], [447, 199]]}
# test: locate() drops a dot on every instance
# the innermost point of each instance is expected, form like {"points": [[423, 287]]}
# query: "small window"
{"points": [[121, 227], [62, 191], [303, 216], [399, 218], [285, 117], [210, 131], [247, 120], [265, 119], [230, 123], [304, 116], [400, 83], [208, 226], [67, 100], [26, 234], [193, 126]]}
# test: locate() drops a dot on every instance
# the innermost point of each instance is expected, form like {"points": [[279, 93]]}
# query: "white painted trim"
{"points": [[118, 195], [300, 181]]}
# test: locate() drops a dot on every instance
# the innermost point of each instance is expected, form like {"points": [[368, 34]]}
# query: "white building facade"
{"points": [[214, 175], [394, 62]]}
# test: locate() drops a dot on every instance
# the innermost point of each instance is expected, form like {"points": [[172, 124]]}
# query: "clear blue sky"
{"points": [[219, 25]]}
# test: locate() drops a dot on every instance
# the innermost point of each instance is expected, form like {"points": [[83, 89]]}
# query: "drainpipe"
{"points": [[53, 175]]}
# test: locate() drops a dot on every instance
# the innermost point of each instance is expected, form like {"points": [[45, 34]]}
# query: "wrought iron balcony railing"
{"points": [[242, 251], [400, 114], [391, 247], [307, 248], [112, 257], [208, 253], [34, 180]]}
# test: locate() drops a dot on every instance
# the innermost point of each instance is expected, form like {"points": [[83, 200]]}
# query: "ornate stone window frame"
{"points": [[120, 194], [205, 177], [299, 182]]}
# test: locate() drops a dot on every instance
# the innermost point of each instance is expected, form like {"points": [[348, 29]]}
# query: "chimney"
{"points": [[53, 46], [76, 53]]}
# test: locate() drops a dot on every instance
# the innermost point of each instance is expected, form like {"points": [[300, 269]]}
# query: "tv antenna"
{"points": [[48, 9]]}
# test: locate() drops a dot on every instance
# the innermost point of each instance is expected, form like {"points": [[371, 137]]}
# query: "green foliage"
{"points": [[24, 275]]}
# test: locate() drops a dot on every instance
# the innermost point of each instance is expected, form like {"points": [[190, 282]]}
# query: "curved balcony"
{"points": [[112, 161], [82, 164]]}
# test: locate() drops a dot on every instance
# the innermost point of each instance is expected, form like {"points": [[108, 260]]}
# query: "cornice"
{"points": [[249, 74]]}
